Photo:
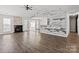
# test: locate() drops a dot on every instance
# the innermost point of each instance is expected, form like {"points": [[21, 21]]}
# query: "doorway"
{"points": [[32, 25], [73, 23]]}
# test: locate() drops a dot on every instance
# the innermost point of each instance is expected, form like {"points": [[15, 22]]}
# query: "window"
{"points": [[6, 24]]}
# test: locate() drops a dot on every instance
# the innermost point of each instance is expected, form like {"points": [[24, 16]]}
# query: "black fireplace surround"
{"points": [[18, 28]]}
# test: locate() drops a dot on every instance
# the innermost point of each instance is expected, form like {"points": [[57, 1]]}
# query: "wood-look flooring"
{"points": [[36, 42]]}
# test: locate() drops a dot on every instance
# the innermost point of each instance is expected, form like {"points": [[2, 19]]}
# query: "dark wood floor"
{"points": [[33, 42]]}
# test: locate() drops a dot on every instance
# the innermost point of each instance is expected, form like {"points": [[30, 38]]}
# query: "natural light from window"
{"points": [[6, 24]]}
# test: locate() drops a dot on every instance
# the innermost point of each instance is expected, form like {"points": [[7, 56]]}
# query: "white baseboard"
{"points": [[7, 33], [1, 33], [57, 34]]}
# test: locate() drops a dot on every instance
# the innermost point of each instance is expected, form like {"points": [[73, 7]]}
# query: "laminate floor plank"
{"points": [[36, 42]]}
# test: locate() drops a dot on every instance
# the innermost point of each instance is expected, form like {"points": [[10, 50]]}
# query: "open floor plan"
{"points": [[39, 28]]}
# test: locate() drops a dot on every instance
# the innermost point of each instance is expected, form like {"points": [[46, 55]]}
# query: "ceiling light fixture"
{"points": [[28, 7]]}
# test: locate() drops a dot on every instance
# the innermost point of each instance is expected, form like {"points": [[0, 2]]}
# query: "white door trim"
{"points": [[68, 22]]}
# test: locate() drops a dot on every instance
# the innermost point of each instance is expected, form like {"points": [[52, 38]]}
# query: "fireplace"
{"points": [[18, 28]]}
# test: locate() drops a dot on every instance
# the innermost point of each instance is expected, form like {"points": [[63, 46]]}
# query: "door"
{"points": [[73, 23]]}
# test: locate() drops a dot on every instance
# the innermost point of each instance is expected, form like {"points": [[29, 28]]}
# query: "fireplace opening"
{"points": [[18, 28]]}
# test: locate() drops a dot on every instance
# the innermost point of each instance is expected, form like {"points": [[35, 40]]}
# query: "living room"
{"points": [[39, 28]]}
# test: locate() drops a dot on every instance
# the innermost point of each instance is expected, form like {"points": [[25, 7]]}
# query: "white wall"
{"points": [[25, 22], [17, 20], [78, 23], [1, 24]]}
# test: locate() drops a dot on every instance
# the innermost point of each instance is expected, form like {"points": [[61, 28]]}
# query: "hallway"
{"points": [[34, 41]]}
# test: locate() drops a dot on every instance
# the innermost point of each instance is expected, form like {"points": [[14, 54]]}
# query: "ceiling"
{"points": [[37, 10], [15, 10]]}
